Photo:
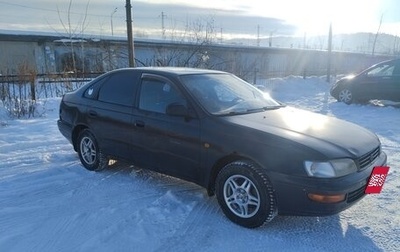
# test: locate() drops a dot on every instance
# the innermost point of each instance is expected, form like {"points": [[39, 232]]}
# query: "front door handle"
{"points": [[92, 113], [139, 124]]}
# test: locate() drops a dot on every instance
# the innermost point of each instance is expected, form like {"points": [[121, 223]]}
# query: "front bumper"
{"points": [[334, 91], [292, 192]]}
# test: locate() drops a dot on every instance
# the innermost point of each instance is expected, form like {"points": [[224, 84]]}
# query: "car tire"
{"points": [[245, 194], [89, 152], [345, 95]]}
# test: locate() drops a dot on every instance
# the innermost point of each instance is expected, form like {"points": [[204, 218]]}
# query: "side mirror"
{"points": [[177, 109]]}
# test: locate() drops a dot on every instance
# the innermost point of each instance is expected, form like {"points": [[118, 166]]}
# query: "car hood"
{"points": [[344, 81], [349, 77], [325, 134]]}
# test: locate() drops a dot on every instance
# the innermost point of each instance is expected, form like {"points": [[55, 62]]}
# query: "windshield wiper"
{"points": [[255, 110], [233, 112], [248, 111], [273, 107]]}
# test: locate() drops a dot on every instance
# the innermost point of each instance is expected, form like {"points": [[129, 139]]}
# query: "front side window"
{"points": [[156, 95], [396, 70]]}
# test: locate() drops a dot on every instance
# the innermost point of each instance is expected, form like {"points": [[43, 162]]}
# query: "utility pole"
{"points": [[270, 39], [376, 36], [328, 74], [131, 48], [258, 35], [162, 24], [112, 26]]}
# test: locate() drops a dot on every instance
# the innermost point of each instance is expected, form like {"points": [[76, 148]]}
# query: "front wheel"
{"points": [[346, 96], [89, 152], [245, 194]]}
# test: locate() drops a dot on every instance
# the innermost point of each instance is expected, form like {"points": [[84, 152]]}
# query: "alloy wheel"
{"points": [[88, 150], [241, 196], [345, 96]]}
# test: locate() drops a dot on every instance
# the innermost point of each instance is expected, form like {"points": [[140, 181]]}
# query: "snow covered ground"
{"points": [[49, 202]]}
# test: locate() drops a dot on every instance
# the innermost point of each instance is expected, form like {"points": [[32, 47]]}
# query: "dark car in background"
{"points": [[258, 156], [380, 81]]}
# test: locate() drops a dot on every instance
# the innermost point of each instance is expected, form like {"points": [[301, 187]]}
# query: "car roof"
{"points": [[387, 61], [171, 70], [396, 61]]}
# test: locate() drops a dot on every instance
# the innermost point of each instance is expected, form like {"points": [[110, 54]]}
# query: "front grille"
{"points": [[368, 158], [355, 195]]}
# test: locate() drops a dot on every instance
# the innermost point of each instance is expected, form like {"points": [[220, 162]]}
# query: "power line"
{"points": [[139, 19], [24, 6], [51, 10]]}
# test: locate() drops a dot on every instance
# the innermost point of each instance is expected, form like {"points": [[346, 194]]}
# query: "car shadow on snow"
{"points": [[288, 233], [330, 233]]}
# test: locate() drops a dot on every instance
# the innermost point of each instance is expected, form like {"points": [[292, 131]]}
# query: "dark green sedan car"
{"points": [[380, 81], [259, 157]]}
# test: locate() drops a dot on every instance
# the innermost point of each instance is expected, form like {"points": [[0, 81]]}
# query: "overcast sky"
{"points": [[228, 17]]}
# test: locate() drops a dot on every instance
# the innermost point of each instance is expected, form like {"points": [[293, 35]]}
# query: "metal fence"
{"points": [[19, 93], [32, 87]]}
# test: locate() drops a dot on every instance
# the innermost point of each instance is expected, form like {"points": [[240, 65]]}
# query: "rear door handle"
{"points": [[139, 124]]}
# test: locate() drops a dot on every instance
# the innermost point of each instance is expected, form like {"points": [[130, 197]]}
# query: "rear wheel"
{"points": [[245, 194], [89, 152], [346, 96]]}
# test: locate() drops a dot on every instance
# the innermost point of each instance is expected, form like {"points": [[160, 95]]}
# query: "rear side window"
{"points": [[119, 88], [93, 91]]}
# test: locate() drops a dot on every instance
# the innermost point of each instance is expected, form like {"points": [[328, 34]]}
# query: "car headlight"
{"points": [[330, 169]]}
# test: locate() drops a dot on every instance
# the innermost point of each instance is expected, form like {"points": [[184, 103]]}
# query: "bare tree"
{"points": [[376, 36], [195, 39], [75, 33]]}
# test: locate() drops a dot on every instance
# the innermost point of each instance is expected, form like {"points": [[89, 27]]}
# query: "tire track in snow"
{"points": [[28, 202], [23, 157], [92, 196], [148, 204], [197, 228]]}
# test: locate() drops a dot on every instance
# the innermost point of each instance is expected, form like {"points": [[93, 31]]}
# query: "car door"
{"points": [[395, 85], [171, 143], [380, 82], [110, 115]]}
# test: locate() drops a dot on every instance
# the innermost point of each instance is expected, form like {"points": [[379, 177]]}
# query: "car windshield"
{"points": [[381, 70], [226, 94]]}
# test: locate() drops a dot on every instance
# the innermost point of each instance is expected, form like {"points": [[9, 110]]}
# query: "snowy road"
{"points": [[49, 202]]}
